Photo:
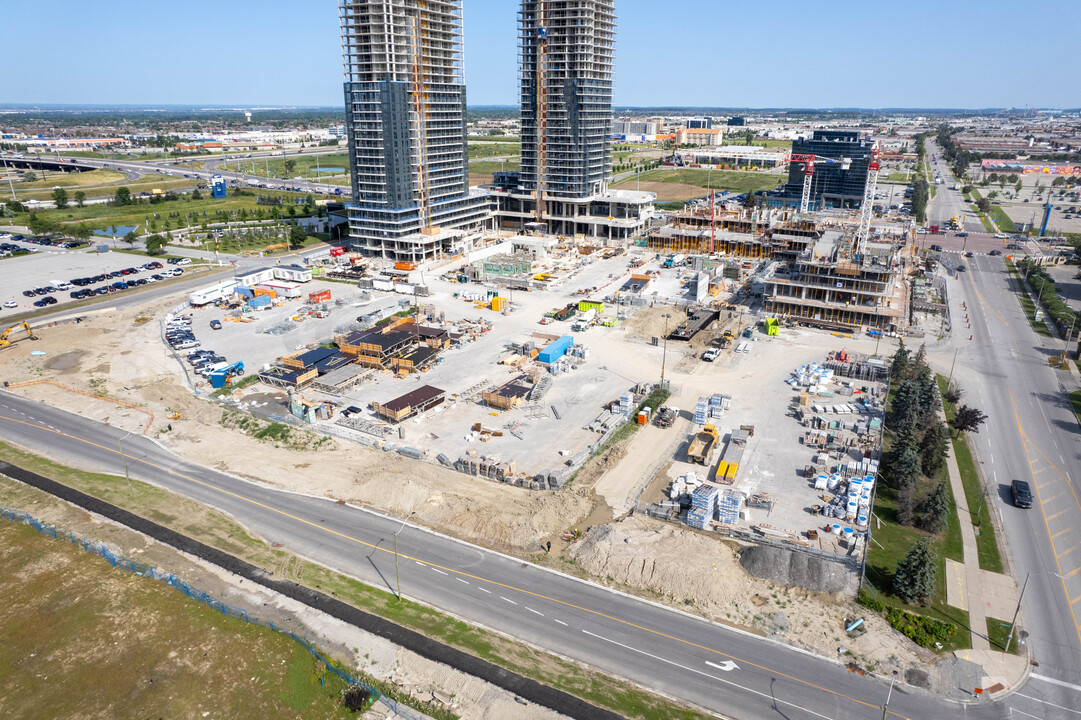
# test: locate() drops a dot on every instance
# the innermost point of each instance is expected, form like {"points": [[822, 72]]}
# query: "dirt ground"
{"points": [[666, 192], [423, 679], [709, 580]]}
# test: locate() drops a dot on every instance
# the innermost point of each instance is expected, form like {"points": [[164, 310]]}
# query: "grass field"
{"points": [[997, 631], [120, 645], [987, 551], [487, 167], [738, 182], [143, 184], [1005, 224], [305, 165], [495, 139], [1028, 305], [891, 541], [476, 152], [217, 530], [84, 154], [71, 179], [101, 216], [899, 177]]}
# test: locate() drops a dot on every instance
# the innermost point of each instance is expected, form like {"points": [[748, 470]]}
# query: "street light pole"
{"points": [[889, 695], [397, 577], [664, 354], [124, 459], [1013, 623]]}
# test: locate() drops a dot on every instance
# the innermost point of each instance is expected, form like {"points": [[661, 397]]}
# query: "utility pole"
{"points": [[889, 695], [397, 577], [950, 378], [664, 353], [1013, 623], [124, 458]]}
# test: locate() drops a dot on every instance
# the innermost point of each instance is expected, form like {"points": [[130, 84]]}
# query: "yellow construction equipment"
{"points": [[5, 337]]}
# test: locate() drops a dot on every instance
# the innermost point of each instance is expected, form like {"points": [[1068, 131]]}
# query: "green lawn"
{"points": [[997, 630], [305, 165], [476, 152], [1028, 305], [143, 184], [733, 181], [495, 139], [979, 506], [490, 166], [899, 177], [83, 154], [1005, 224], [219, 531], [102, 216], [891, 541], [70, 179], [1075, 403]]}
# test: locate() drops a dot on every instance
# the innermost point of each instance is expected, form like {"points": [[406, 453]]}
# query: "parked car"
{"points": [[215, 324], [11, 304], [1022, 494]]}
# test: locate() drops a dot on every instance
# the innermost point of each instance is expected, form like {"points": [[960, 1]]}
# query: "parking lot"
{"points": [[47, 265]]}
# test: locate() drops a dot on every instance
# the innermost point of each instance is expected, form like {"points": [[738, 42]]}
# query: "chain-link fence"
{"points": [[144, 570]]}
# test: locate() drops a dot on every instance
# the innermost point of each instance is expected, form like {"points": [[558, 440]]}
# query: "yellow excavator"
{"points": [[5, 337]]}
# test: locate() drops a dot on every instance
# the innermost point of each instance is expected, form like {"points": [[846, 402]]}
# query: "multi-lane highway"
{"points": [[1031, 434], [947, 203], [731, 673]]}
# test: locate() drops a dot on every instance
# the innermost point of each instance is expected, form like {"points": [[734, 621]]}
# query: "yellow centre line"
{"points": [[1036, 487], [595, 613]]}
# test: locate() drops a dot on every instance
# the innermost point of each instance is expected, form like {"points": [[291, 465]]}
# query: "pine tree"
{"points": [[927, 389], [900, 361], [905, 404], [906, 505], [934, 511], [914, 581], [934, 449]]}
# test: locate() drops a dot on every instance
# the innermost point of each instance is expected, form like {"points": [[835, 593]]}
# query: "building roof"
{"points": [[421, 395]]}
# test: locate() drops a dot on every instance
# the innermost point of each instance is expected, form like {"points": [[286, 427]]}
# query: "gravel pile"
{"points": [[788, 567]]}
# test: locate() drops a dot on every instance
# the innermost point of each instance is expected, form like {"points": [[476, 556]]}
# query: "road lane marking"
{"points": [[1029, 697], [484, 590], [1054, 550], [462, 581], [705, 674], [508, 600], [1067, 551], [1022, 712], [1053, 681], [560, 622], [728, 665], [1060, 533], [418, 562], [1060, 512], [534, 611], [439, 571], [372, 546]]}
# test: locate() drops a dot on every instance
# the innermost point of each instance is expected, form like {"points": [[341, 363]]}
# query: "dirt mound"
{"points": [[788, 567]]}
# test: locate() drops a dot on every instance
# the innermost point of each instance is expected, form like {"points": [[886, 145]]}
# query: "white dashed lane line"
{"points": [[484, 590], [560, 621], [534, 611], [462, 581], [439, 571], [508, 600]]}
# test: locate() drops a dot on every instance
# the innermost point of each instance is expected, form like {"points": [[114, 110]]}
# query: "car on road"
{"points": [[995, 252], [962, 268], [11, 304], [970, 254], [1021, 493], [936, 248], [962, 234]]}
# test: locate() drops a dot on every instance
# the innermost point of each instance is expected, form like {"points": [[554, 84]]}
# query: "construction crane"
{"points": [[542, 105], [868, 198], [808, 171], [5, 337], [420, 111]]}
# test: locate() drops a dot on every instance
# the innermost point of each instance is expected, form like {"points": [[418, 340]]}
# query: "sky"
{"points": [[706, 53]]}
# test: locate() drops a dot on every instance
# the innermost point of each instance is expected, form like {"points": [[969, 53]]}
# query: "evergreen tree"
{"points": [[927, 389], [914, 581], [902, 463], [919, 361], [900, 361], [934, 511], [934, 449], [905, 405], [906, 505]]}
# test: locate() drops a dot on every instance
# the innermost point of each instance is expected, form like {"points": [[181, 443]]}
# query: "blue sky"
{"points": [[776, 53]]}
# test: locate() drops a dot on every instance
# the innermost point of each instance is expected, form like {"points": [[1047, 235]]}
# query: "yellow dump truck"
{"points": [[702, 445]]}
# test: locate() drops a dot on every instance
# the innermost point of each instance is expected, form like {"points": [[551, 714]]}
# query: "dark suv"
{"points": [[1022, 494]]}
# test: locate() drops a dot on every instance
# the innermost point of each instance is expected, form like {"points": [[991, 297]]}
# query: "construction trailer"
{"points": [[509, 395], [413, 402]]}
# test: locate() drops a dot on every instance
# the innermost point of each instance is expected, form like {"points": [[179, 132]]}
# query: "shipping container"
{"points": [[405, 265], [319, 297], [555, 350]]}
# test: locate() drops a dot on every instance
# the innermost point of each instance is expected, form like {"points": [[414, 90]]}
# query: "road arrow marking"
{"points": [[727, 665]]}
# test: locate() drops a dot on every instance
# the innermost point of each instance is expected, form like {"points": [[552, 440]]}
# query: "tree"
{"points": [[80, 197], [914, 581], [290, 165], [297, 237], [196, 195], [992, 195], [82, 232], [952, 394], [1019, 185], [30, 177], [906, 404], [122, 196], [131, 238], [39, 225], [934, 511], [60, 198], [983, 205], [750, 200], [154, 244], [900, 361], [967, 419], [933, 450]]}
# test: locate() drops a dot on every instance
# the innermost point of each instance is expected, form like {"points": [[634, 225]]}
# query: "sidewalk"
{"points": [[983, 594]]}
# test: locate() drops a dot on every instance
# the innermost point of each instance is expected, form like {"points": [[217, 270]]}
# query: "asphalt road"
{"points": [[1031, 434], [947, 203], [731, 673]]}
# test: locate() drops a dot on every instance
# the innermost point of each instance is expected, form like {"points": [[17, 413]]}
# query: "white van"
{"points": [[60, 285]]}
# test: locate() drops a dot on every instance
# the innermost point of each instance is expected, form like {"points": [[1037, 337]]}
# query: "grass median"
{"points": [[1028, 305], [219, 531], [979, 507]]}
